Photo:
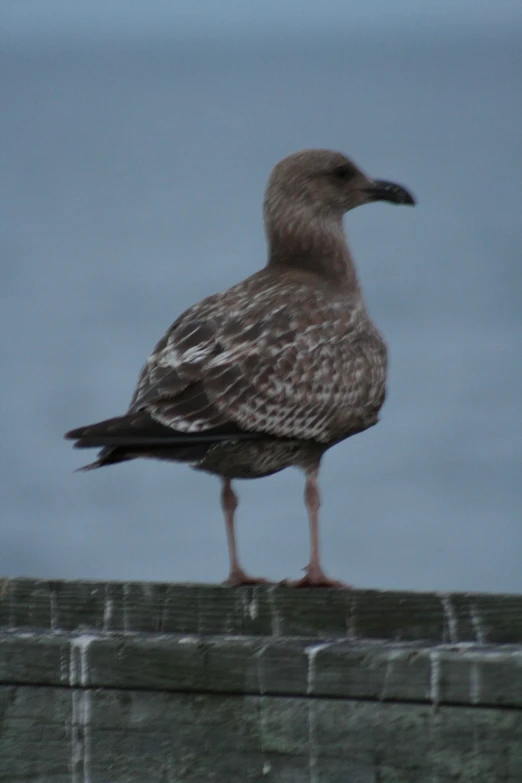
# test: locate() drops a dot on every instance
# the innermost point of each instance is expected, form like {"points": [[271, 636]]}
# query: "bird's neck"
{"points": [[313, 244]]}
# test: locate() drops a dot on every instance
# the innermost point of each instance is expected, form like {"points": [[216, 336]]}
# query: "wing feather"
{"points": [[282, 360]]}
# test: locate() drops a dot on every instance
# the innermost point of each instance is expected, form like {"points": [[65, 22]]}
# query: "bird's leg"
{"points": [[315, 576], [236, 574]]}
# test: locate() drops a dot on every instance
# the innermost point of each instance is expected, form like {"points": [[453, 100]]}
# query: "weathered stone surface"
{"points": [[260, 611], [134, 736], [35, 726], [135, 683], [466, 674]]}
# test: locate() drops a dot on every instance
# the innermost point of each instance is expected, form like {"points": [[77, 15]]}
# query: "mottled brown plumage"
{"points": [[275, 370]]}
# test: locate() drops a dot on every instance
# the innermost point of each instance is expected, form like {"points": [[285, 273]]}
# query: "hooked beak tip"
{"points": [[382, 190]]}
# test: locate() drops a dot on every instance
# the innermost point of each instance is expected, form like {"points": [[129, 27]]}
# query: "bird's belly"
{"points": [[255, 459]]}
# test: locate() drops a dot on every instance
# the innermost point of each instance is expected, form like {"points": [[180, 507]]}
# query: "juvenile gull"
{"points": [[273, 371]]}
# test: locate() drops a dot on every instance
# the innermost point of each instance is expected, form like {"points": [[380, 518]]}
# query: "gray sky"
{"points": [[32, 19]]}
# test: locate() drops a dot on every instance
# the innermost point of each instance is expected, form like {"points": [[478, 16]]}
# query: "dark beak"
{"points": [[381, 190]]}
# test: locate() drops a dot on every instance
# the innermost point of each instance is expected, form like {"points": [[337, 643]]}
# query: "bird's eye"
{"points": [[344, 172]]}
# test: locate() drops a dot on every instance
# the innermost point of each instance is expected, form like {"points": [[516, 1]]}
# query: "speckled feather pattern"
{"points": [[279, 354]]}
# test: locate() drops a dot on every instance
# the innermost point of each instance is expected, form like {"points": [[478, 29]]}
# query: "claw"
{"points": [[239, 577], [315, 577]]}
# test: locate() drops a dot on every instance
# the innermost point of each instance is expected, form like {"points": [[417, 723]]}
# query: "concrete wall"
{"points": [[139, 683]]}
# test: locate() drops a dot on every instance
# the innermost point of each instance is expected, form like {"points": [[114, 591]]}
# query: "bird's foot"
{"points": [[315, 577], [239, 577]]}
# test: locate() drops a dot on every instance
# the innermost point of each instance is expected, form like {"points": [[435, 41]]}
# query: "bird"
{"points": [[275, 370]]}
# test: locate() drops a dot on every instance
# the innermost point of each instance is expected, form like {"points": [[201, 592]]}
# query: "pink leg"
{"points": [[315, 576], [236, 574]]}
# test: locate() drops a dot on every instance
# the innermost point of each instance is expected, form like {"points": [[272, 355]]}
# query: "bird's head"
{"points": [[321, 183]]}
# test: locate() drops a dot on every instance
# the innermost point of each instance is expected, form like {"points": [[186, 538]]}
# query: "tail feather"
{"points": [[118, 430], [126, 437], [91, 466], [107, 456]]}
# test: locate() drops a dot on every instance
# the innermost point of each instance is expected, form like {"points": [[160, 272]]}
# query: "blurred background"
{"points": [[137, 138]]}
